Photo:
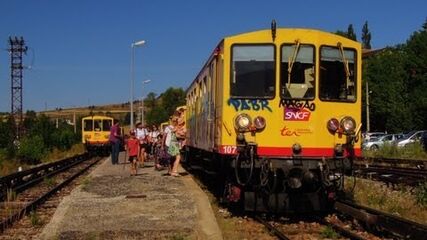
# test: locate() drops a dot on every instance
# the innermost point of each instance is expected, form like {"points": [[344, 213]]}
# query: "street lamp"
{"points": [[133, 45], [142, 100]]}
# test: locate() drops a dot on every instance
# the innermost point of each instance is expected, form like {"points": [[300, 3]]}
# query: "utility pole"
{"points": [[16, 49]]}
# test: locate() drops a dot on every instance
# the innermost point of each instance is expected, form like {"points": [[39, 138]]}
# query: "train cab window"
{"points": [[337, 74], [297, 79], [88, 125], [106, 124], [97, 125], [252, 71]]}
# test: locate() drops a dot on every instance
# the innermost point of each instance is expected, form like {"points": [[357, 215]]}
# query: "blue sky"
{"points": [[80, 49]]}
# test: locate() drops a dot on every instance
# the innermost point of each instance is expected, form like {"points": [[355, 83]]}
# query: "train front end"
{"points": [[291, 117]]}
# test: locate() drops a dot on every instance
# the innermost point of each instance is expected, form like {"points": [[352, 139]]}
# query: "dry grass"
{"points": [[401, 201], [8, 166], [58, 154]]}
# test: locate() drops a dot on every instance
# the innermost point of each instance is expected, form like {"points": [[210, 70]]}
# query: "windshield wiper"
{"points": [[346, 67], [291, 61]]}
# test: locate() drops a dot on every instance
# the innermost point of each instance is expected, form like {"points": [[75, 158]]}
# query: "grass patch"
{"points": [[329, 233], [403, 201], [413, 151], [50, 182], [35, 219], [85, 182], [57, 154]]}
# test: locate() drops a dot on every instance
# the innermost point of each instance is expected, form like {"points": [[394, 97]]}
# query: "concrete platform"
{"points": [[111, 204]]}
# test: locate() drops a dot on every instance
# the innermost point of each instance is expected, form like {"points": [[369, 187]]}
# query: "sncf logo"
{"points": [[296, 114]]}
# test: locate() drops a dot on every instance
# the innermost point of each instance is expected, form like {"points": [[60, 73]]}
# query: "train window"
{"points": [[97, 125], [106, 124], [337, 74], [253, 71], [297, 71], [88, 125]]}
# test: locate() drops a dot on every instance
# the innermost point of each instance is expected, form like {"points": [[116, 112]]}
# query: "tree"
{"points": [[350, 33], [172, 98], [366, 36], [416, 67]]}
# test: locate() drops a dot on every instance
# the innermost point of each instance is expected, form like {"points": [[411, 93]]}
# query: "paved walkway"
{"points": [[110, 204]]}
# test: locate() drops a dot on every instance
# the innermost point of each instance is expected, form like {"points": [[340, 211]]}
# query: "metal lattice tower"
{"points": [[17, 48]]}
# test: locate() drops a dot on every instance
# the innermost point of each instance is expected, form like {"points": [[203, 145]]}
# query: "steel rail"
{"points": [[271, 228], [34, 204], [20, 181], [395, 225]]}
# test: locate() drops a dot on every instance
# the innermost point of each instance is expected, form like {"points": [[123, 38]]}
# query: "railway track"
{"points": [[383, 222], [23, 192], [391, 174]]}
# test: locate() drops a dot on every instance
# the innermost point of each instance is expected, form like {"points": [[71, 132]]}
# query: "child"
{"points": [[133, 150]]}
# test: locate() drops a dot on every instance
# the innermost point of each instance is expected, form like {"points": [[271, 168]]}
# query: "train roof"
{"points": [[97, 117]]}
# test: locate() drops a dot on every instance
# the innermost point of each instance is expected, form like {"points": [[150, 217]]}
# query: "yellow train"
{"points": [[275, 116], [96, 132]]}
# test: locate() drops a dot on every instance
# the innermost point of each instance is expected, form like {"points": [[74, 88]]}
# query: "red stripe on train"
{"points": [[280, 151]]}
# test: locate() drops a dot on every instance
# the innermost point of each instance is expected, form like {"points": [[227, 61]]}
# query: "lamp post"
{"points": [[133, 45], [142, 99]]}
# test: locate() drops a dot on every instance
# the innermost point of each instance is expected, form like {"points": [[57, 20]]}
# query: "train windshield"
{"points": [[106, 124], [297, 71], [88, 125], [337, 74], [253, 71]]}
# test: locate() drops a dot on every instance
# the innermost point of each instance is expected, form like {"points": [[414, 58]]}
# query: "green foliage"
{"points": [[350, 34], [412, 151], [50, 182], [397, 77], [7, 135], [35, 219], [329, 232], [421, 194], [31, 149], [366, 36], [159, 110]]}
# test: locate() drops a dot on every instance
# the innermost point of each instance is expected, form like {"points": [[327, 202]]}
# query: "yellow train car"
{"points": [[277, 111], [96, 132]]}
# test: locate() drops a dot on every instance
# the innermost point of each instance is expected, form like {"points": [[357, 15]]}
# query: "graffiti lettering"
{"points": [[249, 104], [292, 103]]}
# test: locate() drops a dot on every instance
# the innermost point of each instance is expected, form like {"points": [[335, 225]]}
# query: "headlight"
{"points": [[348, 124], [242, 122], [259, 123], [333, 125]]}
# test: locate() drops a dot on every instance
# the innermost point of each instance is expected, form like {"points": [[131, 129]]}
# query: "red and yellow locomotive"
{"points": [[275, 115]]}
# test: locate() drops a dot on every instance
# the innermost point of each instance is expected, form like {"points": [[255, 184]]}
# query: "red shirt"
{"points": [[133, 145]]}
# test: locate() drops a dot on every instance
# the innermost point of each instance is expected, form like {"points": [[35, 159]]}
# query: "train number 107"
{"points": [[228, 149]]}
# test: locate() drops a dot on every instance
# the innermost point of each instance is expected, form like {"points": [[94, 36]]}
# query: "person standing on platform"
{"points": [[172, 146], [133, 150], [115, 139], [142, 135]]}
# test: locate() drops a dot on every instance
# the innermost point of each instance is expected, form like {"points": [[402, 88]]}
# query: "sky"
{"points": [[80, 50]]}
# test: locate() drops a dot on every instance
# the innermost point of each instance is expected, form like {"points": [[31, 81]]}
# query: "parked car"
{"points": [[372, 135], [376, 143], [424, 140], [411, 138]]}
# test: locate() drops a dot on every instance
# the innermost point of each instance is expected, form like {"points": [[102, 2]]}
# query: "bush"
{"points": [[31, 149], [64, 139], [421, 194]]}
